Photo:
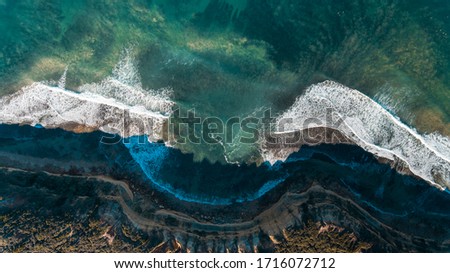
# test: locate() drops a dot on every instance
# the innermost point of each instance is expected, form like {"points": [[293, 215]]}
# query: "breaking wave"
{"points": [[104, 106], [371, 127], [125, 86]]}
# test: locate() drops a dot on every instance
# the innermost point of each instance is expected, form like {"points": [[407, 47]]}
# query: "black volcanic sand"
{"points": [[107, 192]]}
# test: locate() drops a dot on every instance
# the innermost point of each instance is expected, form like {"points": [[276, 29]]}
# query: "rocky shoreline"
{"points": [[119, 200]]}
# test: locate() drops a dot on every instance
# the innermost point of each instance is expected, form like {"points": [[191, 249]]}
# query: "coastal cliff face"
{"points": [[99, 212], [99, 188]]}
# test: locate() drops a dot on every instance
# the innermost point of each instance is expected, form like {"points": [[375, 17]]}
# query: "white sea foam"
{"points": [[117, 104], [62, 80], [125, 86], [372, 128]]}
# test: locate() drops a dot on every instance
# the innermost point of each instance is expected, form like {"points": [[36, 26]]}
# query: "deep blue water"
{"points": [[168, 170]]}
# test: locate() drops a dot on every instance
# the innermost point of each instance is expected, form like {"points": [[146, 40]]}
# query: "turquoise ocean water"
{"points": [[236, 58]]}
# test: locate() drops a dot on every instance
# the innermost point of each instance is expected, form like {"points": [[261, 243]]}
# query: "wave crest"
{"points": [[371, 127], [118, 104], [125, 86]]}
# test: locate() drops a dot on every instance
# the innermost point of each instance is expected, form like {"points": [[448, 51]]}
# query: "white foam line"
{"points": [[104, 106], [97, 99], [397, 122], [53, 107], [372, 128]]}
